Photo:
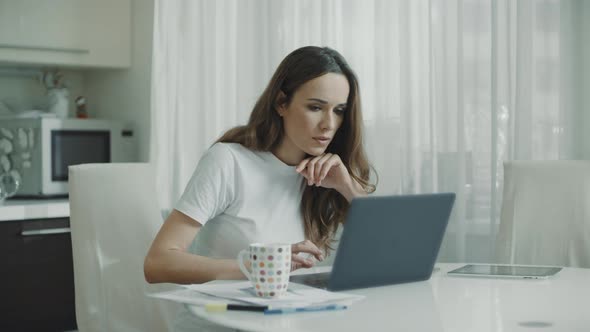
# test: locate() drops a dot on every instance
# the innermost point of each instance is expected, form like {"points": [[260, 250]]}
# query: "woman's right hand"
{"points": [[309, 250]]}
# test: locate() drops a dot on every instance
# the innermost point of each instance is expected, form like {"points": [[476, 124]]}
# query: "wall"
{"points": [[584, 80], [21, 87], [124, 95]]}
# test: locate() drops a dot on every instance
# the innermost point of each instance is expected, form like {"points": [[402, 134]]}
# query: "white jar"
{"points": [[58, 101]]}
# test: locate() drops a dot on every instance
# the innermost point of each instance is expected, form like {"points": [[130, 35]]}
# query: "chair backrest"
{"points": [[114, 216], [545, 217]]}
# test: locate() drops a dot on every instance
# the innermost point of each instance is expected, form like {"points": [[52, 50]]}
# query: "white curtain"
{"points": [[450, 89]]}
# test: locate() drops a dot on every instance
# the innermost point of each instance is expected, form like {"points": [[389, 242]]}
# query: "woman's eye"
{"points": [[340, 111], [315, 108]]}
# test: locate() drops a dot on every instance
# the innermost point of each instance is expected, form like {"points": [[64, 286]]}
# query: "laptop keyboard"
{"points": [[316, 280]]}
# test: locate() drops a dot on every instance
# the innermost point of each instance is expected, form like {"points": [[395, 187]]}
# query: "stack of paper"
{"points": [[297, 296]]}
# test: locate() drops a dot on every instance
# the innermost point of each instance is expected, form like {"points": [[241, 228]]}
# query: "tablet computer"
{"points": [[508, 271]]}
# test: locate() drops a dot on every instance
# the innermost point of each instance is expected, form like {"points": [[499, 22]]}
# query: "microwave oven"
{"points": [[38, 151]]}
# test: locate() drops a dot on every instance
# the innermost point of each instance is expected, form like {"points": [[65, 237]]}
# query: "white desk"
{"points": [[443, 303]]}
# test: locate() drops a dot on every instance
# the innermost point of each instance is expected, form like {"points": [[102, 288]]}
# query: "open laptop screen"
{"points": [[388, 240]]}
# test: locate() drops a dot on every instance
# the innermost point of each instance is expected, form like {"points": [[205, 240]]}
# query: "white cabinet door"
{"points": [[79, 33], [107, 29], [43, 25]]}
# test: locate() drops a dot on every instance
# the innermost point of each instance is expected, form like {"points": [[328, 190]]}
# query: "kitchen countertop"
{"points": [[23, 209]]}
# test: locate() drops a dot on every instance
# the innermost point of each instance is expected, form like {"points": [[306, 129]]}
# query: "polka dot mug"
{"points": [[270, 268]]}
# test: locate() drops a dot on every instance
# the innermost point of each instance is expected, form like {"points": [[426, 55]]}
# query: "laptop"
{"points": [[386, 240]]}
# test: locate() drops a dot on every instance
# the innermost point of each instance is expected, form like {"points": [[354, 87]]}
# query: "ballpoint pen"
{"points": [[271, 311], [220, 307]]}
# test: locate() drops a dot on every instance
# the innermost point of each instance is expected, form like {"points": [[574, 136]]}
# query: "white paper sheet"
{"points": [[297, 295], [189, 296]]}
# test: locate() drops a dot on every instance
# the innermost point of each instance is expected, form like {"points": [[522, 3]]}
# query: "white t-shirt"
{"points": [[240, 197]]}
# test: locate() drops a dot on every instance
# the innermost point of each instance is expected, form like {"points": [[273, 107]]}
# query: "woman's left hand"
{"points": [[326, 170]]}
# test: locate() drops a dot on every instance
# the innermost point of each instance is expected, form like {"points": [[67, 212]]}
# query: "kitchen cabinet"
{"points": [[37, 278], [69, 33]]}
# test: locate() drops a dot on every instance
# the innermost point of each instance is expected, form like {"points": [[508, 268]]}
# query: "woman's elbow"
{"points": [[149, 270]]}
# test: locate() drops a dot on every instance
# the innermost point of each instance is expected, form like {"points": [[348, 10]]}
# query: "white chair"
{"points": [[545, 217], [114, 216]]}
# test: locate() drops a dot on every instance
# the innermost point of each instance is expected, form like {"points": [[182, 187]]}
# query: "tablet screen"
{"points": [[507, 270]]}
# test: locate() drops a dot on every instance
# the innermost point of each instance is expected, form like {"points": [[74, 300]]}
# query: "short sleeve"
{"points": [[209, 191]]}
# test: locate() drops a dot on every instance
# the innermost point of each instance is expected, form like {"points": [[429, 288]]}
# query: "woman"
{"points": [[287, 176]]}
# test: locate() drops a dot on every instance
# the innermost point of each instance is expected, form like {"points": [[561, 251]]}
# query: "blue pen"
{"points": [[304, 309]]}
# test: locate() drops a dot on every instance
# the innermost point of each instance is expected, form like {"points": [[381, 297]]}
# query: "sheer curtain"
{"points": [[450, 89]]}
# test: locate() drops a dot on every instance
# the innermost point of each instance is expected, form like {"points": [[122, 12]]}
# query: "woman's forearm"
{"points": [[181, 267], [168, 259]]}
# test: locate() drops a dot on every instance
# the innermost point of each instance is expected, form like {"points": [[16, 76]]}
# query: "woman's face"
{"points": [[313, 116]]}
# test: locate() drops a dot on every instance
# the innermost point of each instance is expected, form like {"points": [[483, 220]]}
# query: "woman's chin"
{"points": [[315, 151]]}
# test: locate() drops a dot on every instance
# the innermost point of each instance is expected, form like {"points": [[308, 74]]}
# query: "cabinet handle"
{"points": [[45, 48], [46, 231]]}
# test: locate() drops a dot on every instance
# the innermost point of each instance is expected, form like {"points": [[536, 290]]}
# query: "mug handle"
{"points": [[241, 263]]}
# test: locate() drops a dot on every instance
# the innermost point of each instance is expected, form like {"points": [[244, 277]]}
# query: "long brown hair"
{"points": [[322, 209]]}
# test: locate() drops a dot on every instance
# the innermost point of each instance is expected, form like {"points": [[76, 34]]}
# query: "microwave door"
{"points": [[73, 147]]}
